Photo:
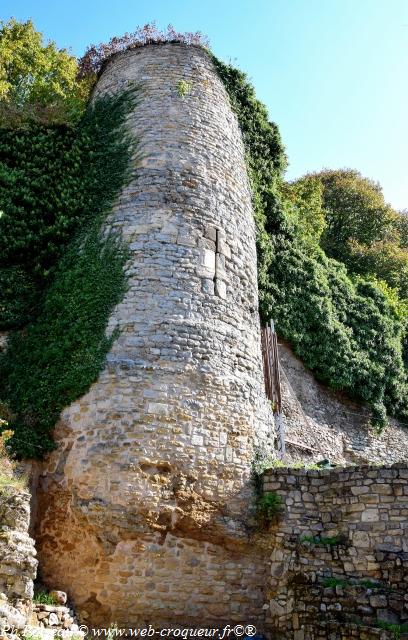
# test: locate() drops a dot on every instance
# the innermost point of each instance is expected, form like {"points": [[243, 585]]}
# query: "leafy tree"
{"points": [[386, 260], [37, 80], [401, 224], [355, 209], [305, 197], [359, 228]]}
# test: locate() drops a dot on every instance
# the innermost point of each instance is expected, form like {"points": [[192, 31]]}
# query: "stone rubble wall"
{"points": [[357, 518], [150, 486], [55, 617], [18, 563], [329, 424], [317, 606]]}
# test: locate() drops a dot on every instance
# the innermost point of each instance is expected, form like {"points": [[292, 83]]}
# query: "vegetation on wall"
{"points": [[340, 304], [91, 63], [54, 358], [53, 181], [349, 331]]}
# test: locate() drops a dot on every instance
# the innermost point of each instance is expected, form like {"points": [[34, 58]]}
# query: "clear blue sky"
{"points": [[333, 73]]}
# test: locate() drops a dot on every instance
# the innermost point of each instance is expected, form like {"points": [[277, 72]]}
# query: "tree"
{"points": [[305, 200], [358, 229], [401, 224], [37, 80], [355, 209]]}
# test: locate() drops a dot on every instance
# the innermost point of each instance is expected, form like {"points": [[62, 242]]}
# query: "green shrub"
{"points": [[183, 88], [395, 629], [269, 505]]}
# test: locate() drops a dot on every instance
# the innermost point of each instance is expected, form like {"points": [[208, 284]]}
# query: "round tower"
{"points": [[143, 508]]}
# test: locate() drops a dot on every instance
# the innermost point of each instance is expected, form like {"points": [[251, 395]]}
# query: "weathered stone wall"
{"points": [[329, 424], [350, 524], [149, 488], [18, 562]]}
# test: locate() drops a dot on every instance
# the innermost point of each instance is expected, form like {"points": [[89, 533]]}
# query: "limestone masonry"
{"points": [[146, 511], [143, 508], [18, 563], [350, 525]]}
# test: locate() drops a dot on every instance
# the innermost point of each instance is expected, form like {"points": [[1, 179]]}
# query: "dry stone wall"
{"points": [[149, 488], [18, 563], [350, 525]]}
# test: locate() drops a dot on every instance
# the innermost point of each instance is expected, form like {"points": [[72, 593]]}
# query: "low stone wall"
{"points": [[340, 550]]}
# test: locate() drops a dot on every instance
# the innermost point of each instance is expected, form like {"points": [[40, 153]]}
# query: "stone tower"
{"points": [[143, 508]]}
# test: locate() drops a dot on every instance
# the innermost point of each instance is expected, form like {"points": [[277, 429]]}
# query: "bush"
{"points": [[269, 506]]}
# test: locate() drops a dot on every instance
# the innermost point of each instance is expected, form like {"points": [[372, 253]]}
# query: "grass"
{"points": [[42, 597], [396, 629], [321, 541], [262, 463], [8, 478], [335, 582], [341, 582]]}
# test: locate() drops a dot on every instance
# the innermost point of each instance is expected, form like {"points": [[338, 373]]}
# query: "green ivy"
{"points": [[345, 330], [53, 180], [55, 358]]}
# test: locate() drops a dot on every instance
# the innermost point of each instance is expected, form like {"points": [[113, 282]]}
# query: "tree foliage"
{"points": [[38, 81], [305, 198], [354, 209], [359, 228]]}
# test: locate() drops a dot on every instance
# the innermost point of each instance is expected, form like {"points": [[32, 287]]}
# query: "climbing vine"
{"points": [[54, 359], [348, 331]]}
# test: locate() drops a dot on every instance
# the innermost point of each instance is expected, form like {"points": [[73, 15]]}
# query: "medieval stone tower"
{"points": [[143, 508]]}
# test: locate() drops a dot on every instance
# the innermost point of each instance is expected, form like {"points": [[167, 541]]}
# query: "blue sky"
{"points": [[333, 73]]}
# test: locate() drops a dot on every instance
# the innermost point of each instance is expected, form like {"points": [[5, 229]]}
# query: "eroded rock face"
{"points": [[143, 509], [327, 424]]}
